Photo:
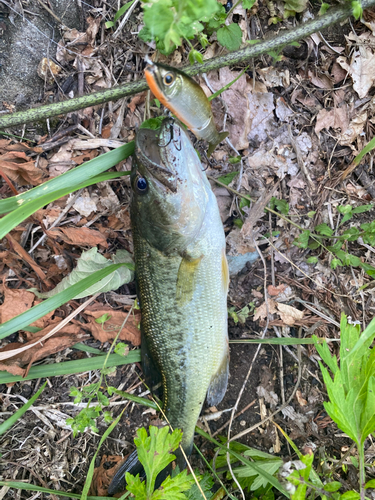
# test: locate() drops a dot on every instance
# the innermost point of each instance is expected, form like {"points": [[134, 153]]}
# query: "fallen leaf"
{"points": [[85, 204], [16, 302], [18, 168], [289, 314], [261, 311], [336, 118], [362, 70], [103, 474], [90, 262], [67, 337], [300, 399], [136, 100], [274, 291], [80, 236], [108, 330], [261, 116], [237, 103]]}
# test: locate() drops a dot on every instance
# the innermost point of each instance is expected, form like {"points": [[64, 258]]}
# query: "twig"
{"points": [[331, 17]]}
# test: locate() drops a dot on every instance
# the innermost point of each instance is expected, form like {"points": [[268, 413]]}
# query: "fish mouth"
{"points": [[151, 146]]}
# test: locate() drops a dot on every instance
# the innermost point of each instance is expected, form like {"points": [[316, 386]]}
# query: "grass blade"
{"points": [[71, 367], [75, 176], [24, 211], [18, 485], [90, 472], [40, 310], [271, 479], [18, 414], [282, 341]]}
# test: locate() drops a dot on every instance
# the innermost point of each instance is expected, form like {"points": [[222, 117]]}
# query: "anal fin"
{"points": [[219, 382]]}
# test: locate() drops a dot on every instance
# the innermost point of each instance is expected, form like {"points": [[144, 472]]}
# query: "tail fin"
{"points": [[212, 146], [132, 465]]}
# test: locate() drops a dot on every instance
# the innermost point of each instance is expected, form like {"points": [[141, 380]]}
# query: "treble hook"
{"points": [[178, 141], [171, 122]]}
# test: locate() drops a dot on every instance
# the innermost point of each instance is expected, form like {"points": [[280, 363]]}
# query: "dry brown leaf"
{"points": [[237, 103], [361, 69], [354, 129], [108, 330], [67, 337], [103, 475], [289, 314], [18, 168], [274, 291], [320, 80], [300, 399], [137, 99], [80, 236], [17, 302], [337, 118], [261, 311]]}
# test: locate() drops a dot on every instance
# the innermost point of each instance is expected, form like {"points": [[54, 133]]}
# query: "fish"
{"points": [[182, 280], [186, 100]]}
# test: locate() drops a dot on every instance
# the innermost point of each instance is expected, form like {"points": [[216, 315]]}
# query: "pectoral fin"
{"points": [[187, 280], [217, 141], [219, 382]]}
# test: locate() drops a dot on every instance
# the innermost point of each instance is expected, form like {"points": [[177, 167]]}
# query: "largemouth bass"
{"points": [[182, 279], [186, 99]]}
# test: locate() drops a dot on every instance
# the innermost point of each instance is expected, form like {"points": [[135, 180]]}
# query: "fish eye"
{"points": [[168, 79], [141, 184]]}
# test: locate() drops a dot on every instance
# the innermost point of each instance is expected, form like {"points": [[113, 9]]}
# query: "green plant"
{"points": [[341, 256], [168, 22], [351, 391], [155, 454]]}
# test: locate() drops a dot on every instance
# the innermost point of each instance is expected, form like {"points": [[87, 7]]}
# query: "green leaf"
{"points": [[206, 483], [155, 451], [369, 484], [172, 488], [153, 123], [234, 159], [90, 262], [357, 9], [345, 209], [324, 230], [136, 486], [105, 317], [123, 9], [333, 486], [282, 206], [362, 208], [195, 57], [312, 260], [121, 349], [350, 234], [227, 178], [295, 5], [247, 4], [335, 263], [7, 424], [350, 495], [323, 8], [303, 239], [353, 260], [230, 36]]}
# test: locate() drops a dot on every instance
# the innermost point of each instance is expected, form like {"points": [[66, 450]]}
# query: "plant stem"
{"points": [[362, 474], [243, 55]]}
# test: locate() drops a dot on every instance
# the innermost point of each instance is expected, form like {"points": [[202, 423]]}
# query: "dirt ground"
{"points": [[298, 123]]}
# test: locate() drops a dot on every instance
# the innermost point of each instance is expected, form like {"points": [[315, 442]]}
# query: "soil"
{"points": [[40, 448]]}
